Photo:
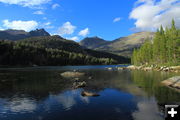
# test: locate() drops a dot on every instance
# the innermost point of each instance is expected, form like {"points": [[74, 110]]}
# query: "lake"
{"points": [[41, 93]]}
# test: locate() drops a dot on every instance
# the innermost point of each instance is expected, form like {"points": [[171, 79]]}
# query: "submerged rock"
{"points": [[89, 94], [72, 74], [173, 82], [79, 84]]}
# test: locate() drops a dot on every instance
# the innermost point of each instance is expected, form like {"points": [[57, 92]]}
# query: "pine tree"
{"points": [[156, 46], [162, 45], [165, 48]]}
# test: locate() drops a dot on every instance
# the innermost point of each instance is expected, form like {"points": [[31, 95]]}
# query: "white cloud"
{"points": [[75, 38], [20, 25], [66, 29], [84, 32], [117, 19], [150, 14], [47, 23], [26, 3], [54, 6], [39, 12]]}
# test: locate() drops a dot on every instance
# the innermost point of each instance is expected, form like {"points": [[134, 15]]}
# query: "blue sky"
{"points": [[76, 19]]}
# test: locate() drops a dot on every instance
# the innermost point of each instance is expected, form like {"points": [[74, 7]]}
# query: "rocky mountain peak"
{"points": [[39, 32]]}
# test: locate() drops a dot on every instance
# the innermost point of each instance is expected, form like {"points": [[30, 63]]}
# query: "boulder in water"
{"points": [[72, 74], [89, 94]]}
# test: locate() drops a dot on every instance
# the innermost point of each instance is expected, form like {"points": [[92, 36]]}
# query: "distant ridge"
{"points": [[53, 51], [92, 42], [11, 34], [122, 46]]}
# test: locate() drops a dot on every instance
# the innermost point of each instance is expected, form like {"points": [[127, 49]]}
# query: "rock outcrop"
{"points": [[173, 82]]}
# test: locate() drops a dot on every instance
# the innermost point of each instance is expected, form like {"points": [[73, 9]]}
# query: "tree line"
{"points": [[52, 50], [164, 49]]}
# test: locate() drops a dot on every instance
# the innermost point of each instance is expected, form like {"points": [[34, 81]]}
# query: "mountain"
{"points": [[57, 42], [38, 32], [11, 34], [53, 50], [92, 42], [122, 46]]}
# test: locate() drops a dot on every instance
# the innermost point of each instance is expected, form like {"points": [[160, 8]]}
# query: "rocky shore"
{"points": [[173, 82], [149, 68]]}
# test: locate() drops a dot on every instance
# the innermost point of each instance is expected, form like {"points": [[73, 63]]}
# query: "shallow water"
{"points": [[40, 93]]}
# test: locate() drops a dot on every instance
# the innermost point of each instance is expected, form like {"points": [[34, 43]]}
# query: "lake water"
{"points": [[40, 93]]}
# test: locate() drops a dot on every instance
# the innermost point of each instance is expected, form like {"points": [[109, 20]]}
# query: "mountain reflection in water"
{"points": [[40, 93]]}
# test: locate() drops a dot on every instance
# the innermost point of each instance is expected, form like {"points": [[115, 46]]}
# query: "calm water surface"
{"points": [[40, 93]]}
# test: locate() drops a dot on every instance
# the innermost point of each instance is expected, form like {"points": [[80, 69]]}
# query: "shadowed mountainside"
{"points": [[53, 50], [122, 46], [92, 42]]}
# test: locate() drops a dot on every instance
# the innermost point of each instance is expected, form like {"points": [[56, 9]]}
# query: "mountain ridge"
{"points": [[122, 46], [53, 50], [12, 34], [92, 42]]}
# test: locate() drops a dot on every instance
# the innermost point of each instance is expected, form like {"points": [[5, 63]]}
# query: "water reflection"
{"points": [[42, 94], [149, 82], [147, 110], [20, 105], [85, 99], [67, 99]]}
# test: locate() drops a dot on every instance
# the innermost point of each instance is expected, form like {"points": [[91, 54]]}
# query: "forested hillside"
{"points": [[163, 50], [52, 50]]}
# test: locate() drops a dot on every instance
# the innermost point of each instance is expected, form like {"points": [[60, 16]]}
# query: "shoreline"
{"points": [[175, 69], [173, 82]]}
